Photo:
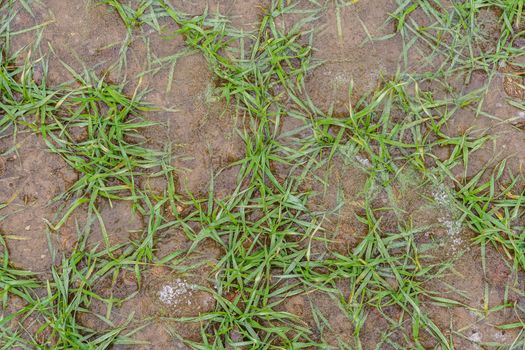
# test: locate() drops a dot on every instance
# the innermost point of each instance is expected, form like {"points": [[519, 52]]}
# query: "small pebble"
{"points": [[363, 161], [475, 337]]}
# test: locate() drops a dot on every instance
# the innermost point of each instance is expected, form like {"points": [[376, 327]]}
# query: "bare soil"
{"points": [[202, 129]]}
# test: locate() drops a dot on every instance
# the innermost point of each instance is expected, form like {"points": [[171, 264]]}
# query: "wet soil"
{"points": [[351, 53], [29, 185], [201, 130]]}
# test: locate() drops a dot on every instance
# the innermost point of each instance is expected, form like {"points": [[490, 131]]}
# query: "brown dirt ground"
{"points": [[202, 132]]}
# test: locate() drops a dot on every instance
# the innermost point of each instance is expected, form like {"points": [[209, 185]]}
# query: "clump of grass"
{"points": [[458, 39], [51, 310], [22, 99], [494, 208], [386, 271], [275, 59], [465, 37], [23, 94], [14, 282], [95, 129], [133, 16]]}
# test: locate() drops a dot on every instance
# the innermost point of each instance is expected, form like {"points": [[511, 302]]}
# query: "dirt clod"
{"points": [[513, 82]]}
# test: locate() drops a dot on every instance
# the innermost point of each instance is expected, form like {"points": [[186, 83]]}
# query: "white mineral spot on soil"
{"points": [[441, 196], [453, 230], [173, 293], [453, 227]]}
